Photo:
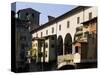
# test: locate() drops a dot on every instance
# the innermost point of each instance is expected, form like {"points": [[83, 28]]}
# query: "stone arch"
{"points": [[60, 45], [65, 66], [68, 44]]}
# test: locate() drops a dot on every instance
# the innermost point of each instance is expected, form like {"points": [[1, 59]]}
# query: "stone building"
{"points": [[30, 15], [27, 20], [68, 27]]}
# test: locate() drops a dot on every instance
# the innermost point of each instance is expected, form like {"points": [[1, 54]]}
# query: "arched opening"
{"points": [[76, 49], [68, 44], [67, 67], [60, 45]]}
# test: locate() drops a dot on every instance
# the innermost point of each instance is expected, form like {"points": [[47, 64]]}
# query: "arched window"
{"points": [[60, 45], [68, 44]]}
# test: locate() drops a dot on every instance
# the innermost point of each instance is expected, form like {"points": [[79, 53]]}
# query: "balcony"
{"points": [[81, 37], [79, 33], [79, 30], [84, 39]]}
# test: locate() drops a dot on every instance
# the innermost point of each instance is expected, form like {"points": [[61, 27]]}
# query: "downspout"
{"points": [[56, 44]]}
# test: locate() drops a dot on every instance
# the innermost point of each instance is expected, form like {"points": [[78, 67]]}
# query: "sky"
{"points": [[45, 9]]}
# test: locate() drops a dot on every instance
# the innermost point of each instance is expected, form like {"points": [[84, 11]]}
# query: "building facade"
{"points": [[69, 28], [27, 20], [31, 15]]}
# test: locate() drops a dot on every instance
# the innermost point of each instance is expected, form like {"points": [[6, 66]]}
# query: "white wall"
{"points": [[63, 22], [73, 24], [72, 28], [49, 28], [87, 11]]}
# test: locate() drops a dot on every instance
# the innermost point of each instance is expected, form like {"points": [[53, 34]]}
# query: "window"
{"points": [[86, 26], [86, 34], [76, 49], [41, 34], [68, 24], [36, 44], [52, 29], [52, 46], [33, 15], [59, 27], [27, 14], [46, 45], [42, 43], [90, 15], [36, 35], [33, 45], [40, 54], [28, 53], [46, 32], [78, 20], [79, 29], [45, 53]]}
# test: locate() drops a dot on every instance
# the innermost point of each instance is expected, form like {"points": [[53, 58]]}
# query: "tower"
{"points": [[31, 16]]}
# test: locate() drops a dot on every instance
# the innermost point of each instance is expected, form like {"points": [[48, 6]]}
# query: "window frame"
{"points": [[41, 34], [68, 24], [46, 32], [36, 34], [90, 15], [60, 27], [46, 45], [78, 20], [52, 29]]}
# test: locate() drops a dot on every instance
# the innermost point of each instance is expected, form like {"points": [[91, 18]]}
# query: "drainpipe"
{"points": [[56, 43]]}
